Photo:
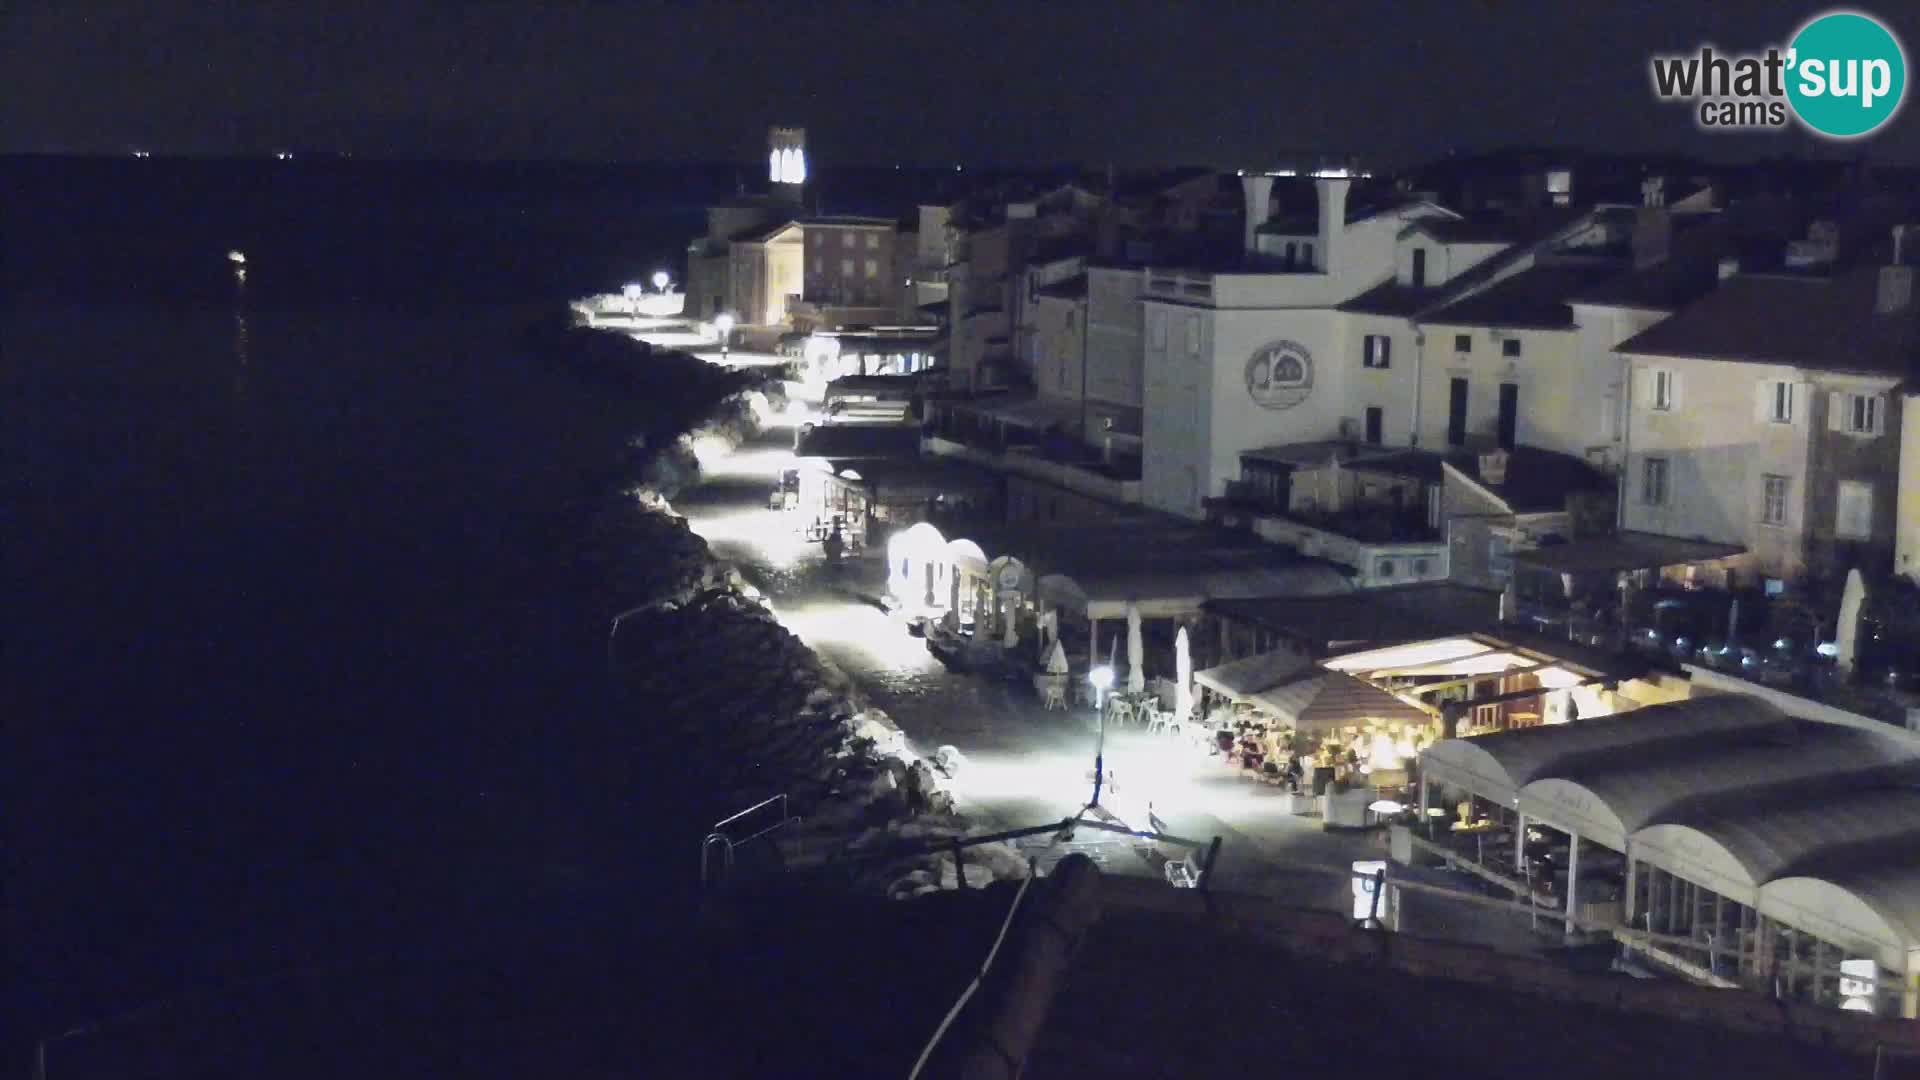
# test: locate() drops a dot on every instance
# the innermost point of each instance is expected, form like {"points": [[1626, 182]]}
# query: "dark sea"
{"points": [[291, 680]]}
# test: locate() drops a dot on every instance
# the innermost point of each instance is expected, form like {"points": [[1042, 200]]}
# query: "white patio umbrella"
{"points": [[1183, 672], [1136, 654], [1853, 596], [1057, 659]]}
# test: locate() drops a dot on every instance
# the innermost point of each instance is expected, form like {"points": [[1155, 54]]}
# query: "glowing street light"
{"points": [[1102, 679], [723, 325], [661, 279]]}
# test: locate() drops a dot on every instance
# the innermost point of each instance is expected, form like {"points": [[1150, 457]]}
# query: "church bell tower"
{"points": [[787, 162]]}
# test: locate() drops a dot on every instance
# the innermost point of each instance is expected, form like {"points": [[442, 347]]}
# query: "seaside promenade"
{"points": [[1026, 765]]}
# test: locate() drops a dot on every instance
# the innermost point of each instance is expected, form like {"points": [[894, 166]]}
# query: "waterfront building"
{"points": [[1764, 415], [1242, 349]]}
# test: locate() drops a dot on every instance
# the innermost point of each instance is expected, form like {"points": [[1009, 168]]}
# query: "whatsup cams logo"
{"points": [[1843, 75]]}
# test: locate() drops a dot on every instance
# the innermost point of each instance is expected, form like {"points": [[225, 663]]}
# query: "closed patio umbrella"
{"points": [[1012, 639], [1183, 673], [1057, 660], [1136, 654]]}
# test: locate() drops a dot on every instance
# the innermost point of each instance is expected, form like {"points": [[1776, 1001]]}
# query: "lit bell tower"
{"points": [[787, 162]]}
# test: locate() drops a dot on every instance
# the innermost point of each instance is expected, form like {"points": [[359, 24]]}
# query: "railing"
{"points": [[719, 839]]}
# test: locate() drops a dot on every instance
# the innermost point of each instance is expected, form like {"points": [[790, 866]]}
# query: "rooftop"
{"points": [[1537, 481], [1819, 323], [1623, 551], [850, 221], [1073, 288], [1371, 616], [760, 234], [1535, 299]]}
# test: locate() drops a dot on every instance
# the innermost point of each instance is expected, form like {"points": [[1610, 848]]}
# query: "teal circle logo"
{"points": [[1847, 75]]}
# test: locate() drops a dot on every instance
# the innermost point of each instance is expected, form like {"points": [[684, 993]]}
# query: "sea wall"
{"points": [[707, 673]]}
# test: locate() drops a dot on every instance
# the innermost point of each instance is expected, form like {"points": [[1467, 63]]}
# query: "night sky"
{"points": [[1123, 81]]}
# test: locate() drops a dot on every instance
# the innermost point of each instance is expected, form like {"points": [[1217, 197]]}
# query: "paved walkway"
{"points": [[1027, 765]]}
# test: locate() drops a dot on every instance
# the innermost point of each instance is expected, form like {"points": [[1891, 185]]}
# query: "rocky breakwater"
{"points": [[714, 691]]}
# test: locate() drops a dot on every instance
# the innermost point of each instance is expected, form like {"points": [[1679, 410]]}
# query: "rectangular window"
{"points": [[1773, 503], [1662, 389], [1419, 267], [819, 265], [1857, 414], [846, 239], [1510, 347], [1193, 335], [1853, 518], [1376, 351], [1306, 255], [1779, 400], [846, 267], [1376, 420], [873, 268], [1463, 343], [1158, 329], [1653, 482], [873, 240]]}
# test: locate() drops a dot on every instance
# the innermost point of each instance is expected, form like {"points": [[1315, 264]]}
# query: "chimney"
{"points": [[1729, 266], [1493, 467], [1258, 190], [1333, 220], [1652, 235], [1895, 295]]}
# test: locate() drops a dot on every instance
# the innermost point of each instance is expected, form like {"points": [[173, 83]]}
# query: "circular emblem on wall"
{"points": [[1280, 375]]}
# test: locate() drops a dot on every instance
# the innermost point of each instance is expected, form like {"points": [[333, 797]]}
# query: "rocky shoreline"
{"points": [[754, 712]]}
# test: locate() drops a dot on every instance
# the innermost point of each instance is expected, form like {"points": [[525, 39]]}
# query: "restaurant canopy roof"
{"points": [[1497, 765], [1608, 800], [1623, 551], [1817, 824], [1237, 679], [1326, 700]]}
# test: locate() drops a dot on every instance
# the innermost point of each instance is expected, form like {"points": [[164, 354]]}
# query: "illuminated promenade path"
{"points": [[1025, 766]]}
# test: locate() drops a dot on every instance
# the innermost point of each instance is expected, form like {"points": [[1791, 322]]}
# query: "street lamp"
{"points": [[1102, 679], [632, 293], [723, 325], [661, 279]]}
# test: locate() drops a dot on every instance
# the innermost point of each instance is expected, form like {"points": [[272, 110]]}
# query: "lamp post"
{"points": [[661, 280], [1102, 679], [723, 325]]}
